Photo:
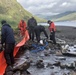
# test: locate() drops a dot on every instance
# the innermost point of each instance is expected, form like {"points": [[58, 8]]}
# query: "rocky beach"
{"points": [[66, 33], [55, 63], [49, 60]]}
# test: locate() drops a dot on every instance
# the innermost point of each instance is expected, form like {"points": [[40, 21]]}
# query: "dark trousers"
{"points": [[8, 53], [52, 37], [37, 33], [31, 33]]}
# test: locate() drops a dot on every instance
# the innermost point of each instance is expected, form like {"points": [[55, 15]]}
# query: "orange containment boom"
{"points": [[3, 64]]}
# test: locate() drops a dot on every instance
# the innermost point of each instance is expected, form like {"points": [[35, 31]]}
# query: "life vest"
{"points": [[52, 27], [22, 26]]}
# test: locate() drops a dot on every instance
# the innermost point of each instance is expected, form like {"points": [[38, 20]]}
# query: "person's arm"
{"points": [[45, 33], [3, 35], [35, 22]]}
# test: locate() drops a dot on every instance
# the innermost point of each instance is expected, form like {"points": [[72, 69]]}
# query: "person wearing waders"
{"points": [[52, 30], [7, 39], [31, 24]]}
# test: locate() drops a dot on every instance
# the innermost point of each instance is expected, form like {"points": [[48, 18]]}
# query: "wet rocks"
{"points": [[62, 66], [40, 64], [17, 70], [59, 41], [72, 73], [49, 64], [9, 70], [17, 73], [50, 59], [58, 53], [9, 73], [22, 64], [61, 58], [46, 53], [22, 72], [70, 66], [57, 63], [25, 73], [52, 73]]}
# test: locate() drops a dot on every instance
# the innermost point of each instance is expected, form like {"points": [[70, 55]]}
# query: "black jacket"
{"points": [[32, 23], [39, 29], [7, 35]]}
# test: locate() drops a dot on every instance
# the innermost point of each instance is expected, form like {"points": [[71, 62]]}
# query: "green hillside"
{"points": [[69, 17], [13, 12], [66, 16]]}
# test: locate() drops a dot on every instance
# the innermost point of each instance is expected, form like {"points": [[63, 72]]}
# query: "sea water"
{"points": [[63, 23]]}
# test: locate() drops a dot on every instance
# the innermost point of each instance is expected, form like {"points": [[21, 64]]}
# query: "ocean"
{"points": [[65, 23]]}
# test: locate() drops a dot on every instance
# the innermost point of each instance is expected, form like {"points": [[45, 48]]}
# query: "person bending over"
{"points": [[38, 30]]}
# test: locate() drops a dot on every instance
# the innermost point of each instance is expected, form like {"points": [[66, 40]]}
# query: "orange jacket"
{"points": [[22, 25], [52, 27]]}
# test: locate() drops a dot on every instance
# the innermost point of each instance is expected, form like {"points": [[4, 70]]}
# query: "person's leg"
{"points": [[11, 53], [30, 32], [32, 37], [53, 35], [7, 54], [38, 37], [50, 36]]}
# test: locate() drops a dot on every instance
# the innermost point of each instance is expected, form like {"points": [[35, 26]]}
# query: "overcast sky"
{"points": [[48, 7]]}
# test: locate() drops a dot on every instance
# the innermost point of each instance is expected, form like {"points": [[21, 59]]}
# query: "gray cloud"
{"points": [[48, 7]]}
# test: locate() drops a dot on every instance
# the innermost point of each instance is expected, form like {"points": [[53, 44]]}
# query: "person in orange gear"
{"points": [[22, 26], [52, 30]]}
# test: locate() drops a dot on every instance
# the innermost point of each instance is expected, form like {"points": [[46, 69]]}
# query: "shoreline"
{"points": [[66, 33]]}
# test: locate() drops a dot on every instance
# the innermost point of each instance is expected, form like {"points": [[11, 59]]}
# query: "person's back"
{"points": [[38, 30], [32, 22], [7, 34], [7, 38]]}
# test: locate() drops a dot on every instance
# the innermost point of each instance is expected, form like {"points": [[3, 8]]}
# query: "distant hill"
{"points": [[66, 16], [13, 12]]}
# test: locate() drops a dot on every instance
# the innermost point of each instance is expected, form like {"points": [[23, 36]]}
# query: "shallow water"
{"points": [[56, 70], [48, 71]]}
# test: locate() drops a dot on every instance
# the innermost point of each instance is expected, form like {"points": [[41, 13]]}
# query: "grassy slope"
{"points": [[69, 17], [13, 12]]}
